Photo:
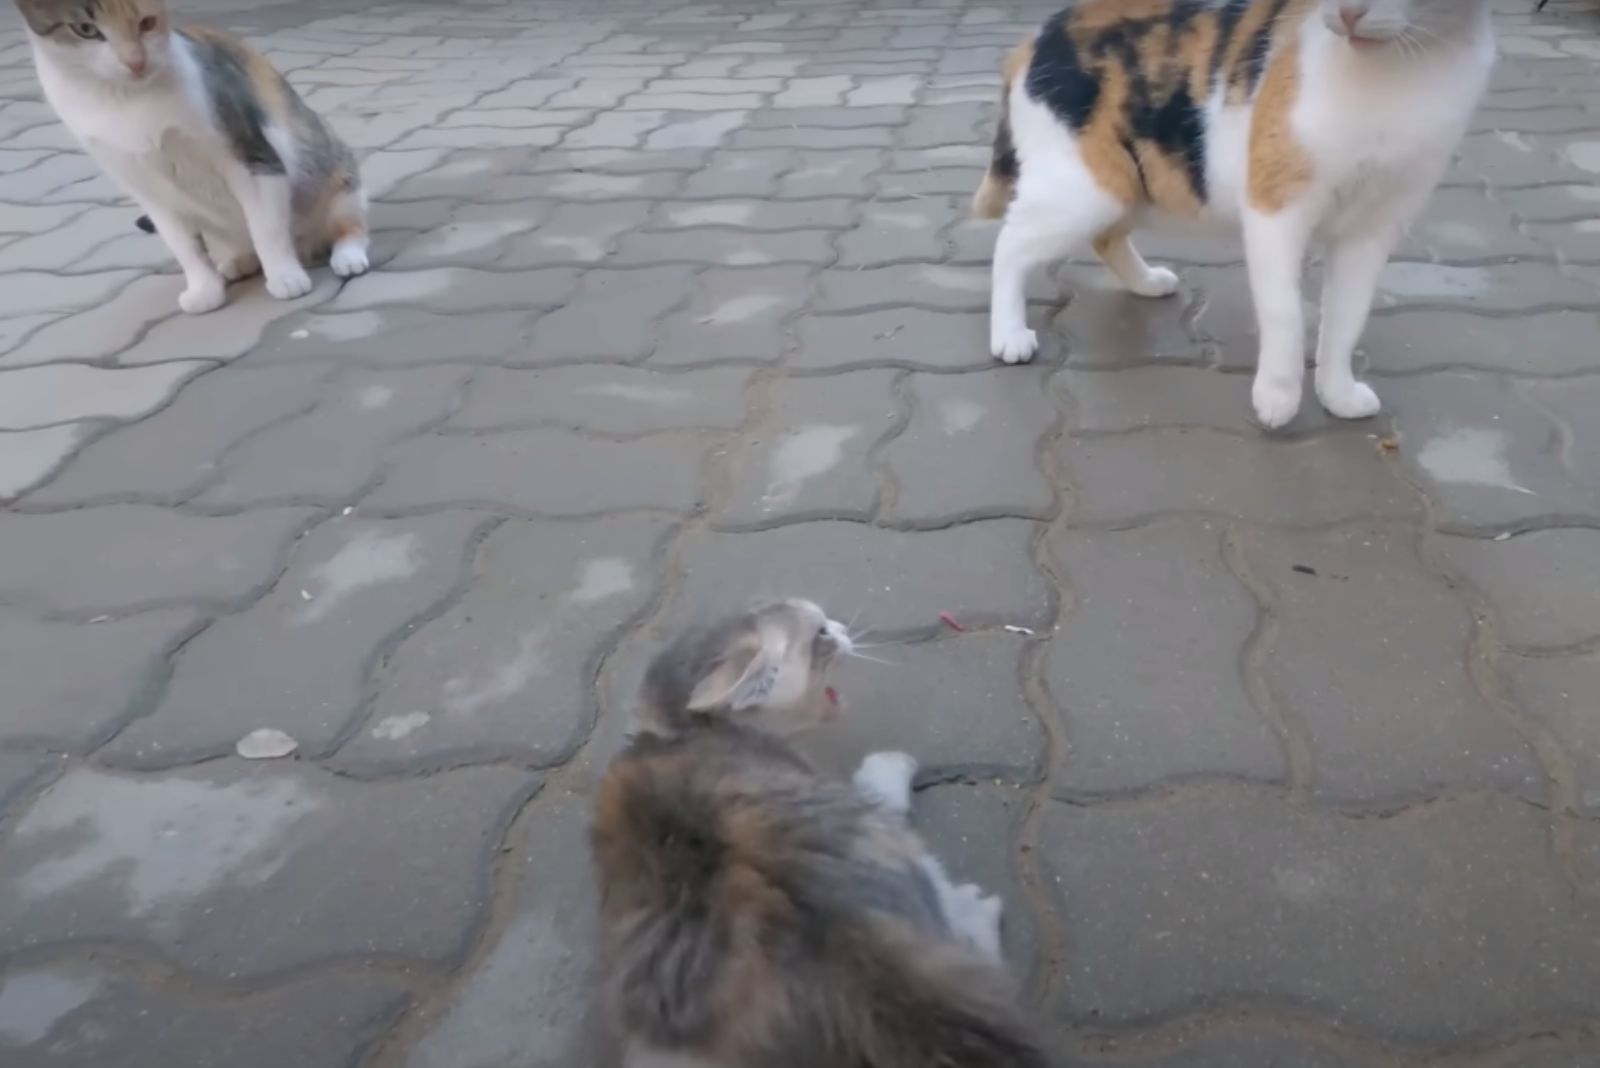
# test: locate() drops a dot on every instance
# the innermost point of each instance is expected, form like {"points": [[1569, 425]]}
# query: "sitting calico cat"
{"points": [[233, 169], [755, 914], [1299, 121]]}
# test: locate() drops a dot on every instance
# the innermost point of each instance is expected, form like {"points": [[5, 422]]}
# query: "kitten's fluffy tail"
{"points": [[143, 222], [1000, 181]]}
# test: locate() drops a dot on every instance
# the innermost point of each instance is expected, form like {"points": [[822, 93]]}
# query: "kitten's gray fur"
{"points": [[756, 914]]}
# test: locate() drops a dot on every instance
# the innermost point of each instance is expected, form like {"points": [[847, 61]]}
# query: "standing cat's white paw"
{"points": [[1159, 282], [886, 779], [1015, 346], [349, 259], [203, 295], [1349, 400], [289, 283], [1276, 401], [238, 265]]}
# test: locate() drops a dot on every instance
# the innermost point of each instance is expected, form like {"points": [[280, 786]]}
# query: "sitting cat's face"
{"points": [[1372, 23], [122, 42], [763, 668]]}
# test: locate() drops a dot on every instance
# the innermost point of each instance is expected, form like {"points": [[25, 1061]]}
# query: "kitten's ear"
{"points": [[744, 678]]}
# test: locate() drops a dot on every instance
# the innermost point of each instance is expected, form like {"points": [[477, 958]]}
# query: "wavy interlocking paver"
{"points": [[1280, 748]]}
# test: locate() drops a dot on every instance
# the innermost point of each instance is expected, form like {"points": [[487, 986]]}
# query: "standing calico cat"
{"points": [[1300, 121], [758, 915], [233, 169]]}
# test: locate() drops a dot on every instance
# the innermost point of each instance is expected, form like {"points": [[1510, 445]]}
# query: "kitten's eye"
{"points": [[88, 31], [148, 24]]}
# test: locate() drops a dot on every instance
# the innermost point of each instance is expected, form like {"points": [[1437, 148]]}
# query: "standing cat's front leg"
{"points": [[1275, 249], [268, 210], [885, 778], [1354, 265], [204, 289]]}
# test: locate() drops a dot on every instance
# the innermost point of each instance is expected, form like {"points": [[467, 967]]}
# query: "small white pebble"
{"points": [[266, 743], [300, 335], [305, 595]]}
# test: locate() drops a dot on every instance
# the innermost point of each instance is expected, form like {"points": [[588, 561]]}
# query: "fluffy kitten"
{"points": [[1298, 121], [758, 915], [230, 166]]}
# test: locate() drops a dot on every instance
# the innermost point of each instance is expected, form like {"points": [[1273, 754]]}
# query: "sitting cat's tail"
{"points": [[1000, 181], [143, 222]]}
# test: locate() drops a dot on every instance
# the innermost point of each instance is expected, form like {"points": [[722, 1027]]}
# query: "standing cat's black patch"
{"points": [[1057, 79], [240, 115], [1228, 16], [1004, 164], [1177, 127], [1260, 47]]}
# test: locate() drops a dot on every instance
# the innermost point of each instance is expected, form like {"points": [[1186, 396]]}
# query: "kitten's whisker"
{"points": [[872, 659]]}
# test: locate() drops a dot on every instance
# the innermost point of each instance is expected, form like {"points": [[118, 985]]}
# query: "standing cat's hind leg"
{"points": [[1116, 251]]}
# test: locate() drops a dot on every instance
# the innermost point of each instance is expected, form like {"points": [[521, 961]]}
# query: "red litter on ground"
{"points": [[950, 621]]}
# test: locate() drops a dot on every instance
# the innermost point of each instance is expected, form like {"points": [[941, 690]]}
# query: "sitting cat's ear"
{"points": [[745, 675]]}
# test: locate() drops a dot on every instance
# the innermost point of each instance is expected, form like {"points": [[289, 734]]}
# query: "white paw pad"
{"points": [[886, 779], [287, 285], [202, 296], [1276, 402], [349, 259], [1017, 346]]}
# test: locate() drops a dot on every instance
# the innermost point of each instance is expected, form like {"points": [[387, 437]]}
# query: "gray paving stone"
{"points": [[575, 233], [899, 580], [1106, 326], [616, 315], [25, 769], [932, 286], [972, 447], [1572, 403], [705, 131], [608, 400], [99, 332], [396, 337], [953, 124], [726, 248], [1238, 1049], [1536, 583], [1557, 691], [457, 289], [508, 669], [835, 214], [74, 684], [169, 456], [844, 172], [1388, 708], [241, 869], [812, 455], [29, 457], [890, 233], [1498, 287], [1487, 459], [75, 1013], [898, 337], [888, 115], [121, 557], [531, 996], [972, 829], [332, 452], [734, 315], [1179, 708], [1140, 398], [739, 174], [811, 137], [298, 661], [1216, 894], [230, 331], [1123, 478], [512, 471], [1549, 343], [45, 396], [956, 704], [475, 240]]}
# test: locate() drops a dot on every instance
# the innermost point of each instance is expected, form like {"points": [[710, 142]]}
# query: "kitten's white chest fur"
{"points": [[160, 141]]}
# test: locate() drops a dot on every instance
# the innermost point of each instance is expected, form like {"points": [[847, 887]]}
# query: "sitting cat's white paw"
{"points": [[886, 779], [238, 265], [1349, 400], [1016, 346], [1276, 401], [349, 259], [1159, 282], [289, 284], [203, 295]]}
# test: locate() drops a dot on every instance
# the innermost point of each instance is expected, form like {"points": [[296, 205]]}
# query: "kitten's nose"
{"points": [[136, 67], [1352, 17]]}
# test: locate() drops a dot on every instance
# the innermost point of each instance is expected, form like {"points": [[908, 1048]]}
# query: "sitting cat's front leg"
{"points": [[204, 289], [1275, 251], [266, 200]]}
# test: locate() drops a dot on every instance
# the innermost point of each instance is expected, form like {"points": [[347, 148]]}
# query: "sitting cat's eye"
{"points": [[148, 24], [88, 31]]}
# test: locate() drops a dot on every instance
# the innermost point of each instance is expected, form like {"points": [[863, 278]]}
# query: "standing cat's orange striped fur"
{"points": [[1300, 122]]}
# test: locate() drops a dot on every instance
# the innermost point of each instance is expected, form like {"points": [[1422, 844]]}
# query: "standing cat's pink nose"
{"points": [[1352, 17], [136, 67]]}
